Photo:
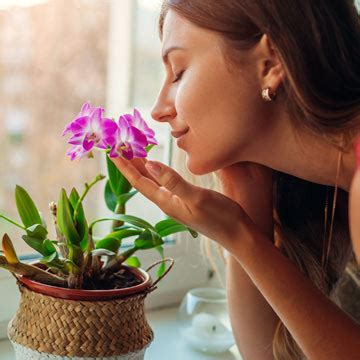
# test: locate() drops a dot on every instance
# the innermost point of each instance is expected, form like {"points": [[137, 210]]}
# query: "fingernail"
{"points": [[153, 168]]}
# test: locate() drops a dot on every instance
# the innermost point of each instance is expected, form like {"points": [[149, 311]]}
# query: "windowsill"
{"points": [[167, 343]]}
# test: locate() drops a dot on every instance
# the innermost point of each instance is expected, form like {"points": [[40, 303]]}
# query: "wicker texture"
{"points": [[80, 328]]}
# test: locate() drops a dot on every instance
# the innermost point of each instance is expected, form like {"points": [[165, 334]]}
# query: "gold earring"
{"points": [[268, 95]]}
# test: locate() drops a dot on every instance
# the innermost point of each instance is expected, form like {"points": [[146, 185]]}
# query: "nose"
{"points": [[163, 110]]}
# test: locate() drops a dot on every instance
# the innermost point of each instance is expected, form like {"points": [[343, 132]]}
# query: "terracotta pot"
{"points": [[60, 323]]}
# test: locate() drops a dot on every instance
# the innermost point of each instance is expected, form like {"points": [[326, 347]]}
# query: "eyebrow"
{"points": [[165, 55]]}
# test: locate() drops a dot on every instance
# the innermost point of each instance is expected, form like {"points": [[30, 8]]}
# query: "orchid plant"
{"points": [[76, 259]]}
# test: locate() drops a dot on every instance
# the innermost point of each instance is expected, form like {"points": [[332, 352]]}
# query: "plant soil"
{"points": [[120, 279]]}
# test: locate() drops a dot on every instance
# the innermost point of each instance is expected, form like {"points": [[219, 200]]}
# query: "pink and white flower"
{"points": [[127, 141], [137, 121], [126, 137]]}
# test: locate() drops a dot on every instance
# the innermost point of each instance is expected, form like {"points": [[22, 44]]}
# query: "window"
{"points": [[54, 55]]}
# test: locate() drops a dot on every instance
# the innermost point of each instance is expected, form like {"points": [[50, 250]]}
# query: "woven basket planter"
{"points": [[58, 323]]}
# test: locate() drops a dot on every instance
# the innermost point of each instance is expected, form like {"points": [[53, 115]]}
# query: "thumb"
{"points": [[169, 178]]}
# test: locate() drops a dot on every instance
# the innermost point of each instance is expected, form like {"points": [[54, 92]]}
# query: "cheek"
{"points": [[222, 119]]}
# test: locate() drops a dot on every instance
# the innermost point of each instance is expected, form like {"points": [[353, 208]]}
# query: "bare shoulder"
{"points": [[354, 214]]}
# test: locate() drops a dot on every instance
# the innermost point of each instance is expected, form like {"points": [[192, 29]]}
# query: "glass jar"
{"points": [[204, 320]]}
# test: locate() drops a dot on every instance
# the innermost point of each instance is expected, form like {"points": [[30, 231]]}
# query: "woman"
{"points": [[267, 94]]}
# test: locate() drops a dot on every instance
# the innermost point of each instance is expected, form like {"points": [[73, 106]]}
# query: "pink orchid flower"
{"points": [[137, 121], [127, 137], [76, 152], [127, 141], [87, 130]]}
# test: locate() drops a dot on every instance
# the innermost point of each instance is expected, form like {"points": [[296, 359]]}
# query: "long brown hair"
{"points": [[318, 43]]}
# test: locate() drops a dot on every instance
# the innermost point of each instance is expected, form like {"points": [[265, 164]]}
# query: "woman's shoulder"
{"points": [[354, 203]]}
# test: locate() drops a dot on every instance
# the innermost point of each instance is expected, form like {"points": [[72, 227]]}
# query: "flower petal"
{"points": [[136, 136], [139, 152], [127, 153], [88, 145], [97, 114], [113, 153], [86, 108]]}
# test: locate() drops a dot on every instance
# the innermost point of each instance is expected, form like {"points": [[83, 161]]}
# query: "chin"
{"points": [[200, 168]]}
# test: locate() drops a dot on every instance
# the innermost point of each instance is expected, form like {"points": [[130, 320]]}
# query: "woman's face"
{"points": [[221, 107]]}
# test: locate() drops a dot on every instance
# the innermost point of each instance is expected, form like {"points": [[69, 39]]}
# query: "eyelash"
{"points": [[178, 77]]}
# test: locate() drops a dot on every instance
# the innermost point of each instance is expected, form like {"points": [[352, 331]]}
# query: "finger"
{"points": [[156, 193], [139, 163], [170, 179]]}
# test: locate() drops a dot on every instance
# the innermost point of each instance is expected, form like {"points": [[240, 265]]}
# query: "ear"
{"points": [[270, 68]]}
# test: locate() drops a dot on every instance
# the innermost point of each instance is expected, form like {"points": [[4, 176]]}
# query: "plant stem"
{"points": [[92, 263], [91, 226], [13, 222], [59, 236], [126, 254], [87, 188], [115, 264], [120, 209]]}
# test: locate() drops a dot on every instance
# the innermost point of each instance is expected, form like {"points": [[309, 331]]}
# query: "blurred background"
{"points": [[54, 56]]}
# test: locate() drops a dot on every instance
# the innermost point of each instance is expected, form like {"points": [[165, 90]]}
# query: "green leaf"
{"points": [[124, 233], [110, 197], [34, 243], [148, 240], [109, 243], [43, 247], [133, 261], [149, 147], [133, 220], [162, 266], [170, 226], [124, 198], [124, 227], [48, 247], [112, 241], [118, 183], [37, 231], [81, 223], [84, 242], [112, 200], [65, 221], [76, 254], [27, 210], [49, 258]]}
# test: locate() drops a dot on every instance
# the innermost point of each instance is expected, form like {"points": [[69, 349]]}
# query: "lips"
{"points": [[177, 134]]}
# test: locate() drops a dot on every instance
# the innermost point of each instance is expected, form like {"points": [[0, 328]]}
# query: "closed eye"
{"points": [[178, 76]]}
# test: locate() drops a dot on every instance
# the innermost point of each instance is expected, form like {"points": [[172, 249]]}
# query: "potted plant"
{"points": [[84, 298]]}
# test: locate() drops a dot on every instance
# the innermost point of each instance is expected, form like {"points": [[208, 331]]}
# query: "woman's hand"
{"points": [[206, 211], [251, 186]]}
